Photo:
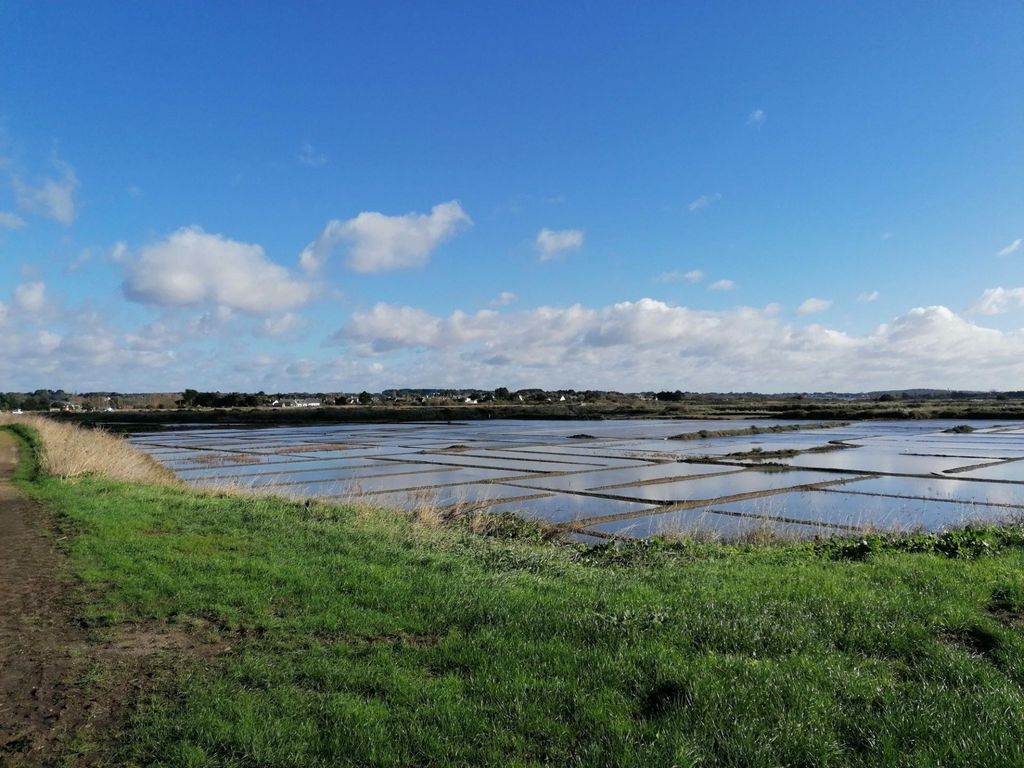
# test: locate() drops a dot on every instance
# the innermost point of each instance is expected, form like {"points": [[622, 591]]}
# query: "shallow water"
{"points": [[630, 469], [859, 511], [939, 488], [696, 521], [707, 488], [583, 481], [567, 508], [1010, 471], [474, 494]]}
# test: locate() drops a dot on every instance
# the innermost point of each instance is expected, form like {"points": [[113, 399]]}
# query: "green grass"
{"points": [[363, 639]]}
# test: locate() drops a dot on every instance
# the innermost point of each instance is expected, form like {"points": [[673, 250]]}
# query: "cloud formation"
{"points": [[11, 220], [192, 268], [722, 285], [649, 344], [504, 298], [757, 118], [996, 301], [813, 306], [284, 325], [311, 158], [53, 197], [380, 243], [30, 298], [1012, 248], [704, 201], [552, 242], [868, 296], [693, 276]]}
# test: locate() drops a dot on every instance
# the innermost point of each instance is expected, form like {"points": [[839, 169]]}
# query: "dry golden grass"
{"points": [[71, 451]]}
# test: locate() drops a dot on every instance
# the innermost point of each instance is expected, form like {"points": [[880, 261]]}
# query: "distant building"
{"points": [[296, 404]]}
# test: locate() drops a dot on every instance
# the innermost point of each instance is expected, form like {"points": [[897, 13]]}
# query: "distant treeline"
{"points": [[428, 404]]}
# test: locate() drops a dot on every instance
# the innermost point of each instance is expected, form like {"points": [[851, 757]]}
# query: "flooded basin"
{"points": [[629, 478]]}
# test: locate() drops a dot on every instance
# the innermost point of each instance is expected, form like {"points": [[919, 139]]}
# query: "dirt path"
{"points": [[42, 651]]}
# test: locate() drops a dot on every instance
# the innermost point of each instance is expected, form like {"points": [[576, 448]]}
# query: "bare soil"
{"points": [[42, 651], [65, 690]]}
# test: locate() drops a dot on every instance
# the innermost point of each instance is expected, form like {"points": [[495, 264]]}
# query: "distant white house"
{"points": [[296, 404]]}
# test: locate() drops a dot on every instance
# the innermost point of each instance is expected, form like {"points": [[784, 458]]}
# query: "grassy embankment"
{"points": [[350, 636]]}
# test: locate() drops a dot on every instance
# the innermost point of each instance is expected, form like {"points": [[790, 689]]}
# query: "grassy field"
{"points": [[358, 637]]}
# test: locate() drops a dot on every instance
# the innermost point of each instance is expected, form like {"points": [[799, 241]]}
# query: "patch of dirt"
{"points": [[1007, 617], [1004, 609], [41, 649], [135, 641], [408, 639], [977, 642], [664, 698], [64, 688]]}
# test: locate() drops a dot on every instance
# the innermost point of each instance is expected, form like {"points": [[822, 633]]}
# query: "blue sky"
{"points": [[719, 196]]}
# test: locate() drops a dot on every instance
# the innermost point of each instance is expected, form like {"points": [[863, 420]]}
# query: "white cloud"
{"points": [[83, 352], [155, 336], [310, 157], [31, 298], [813, 306], [704, 201], [119, 253], [693, 276], [631, 346], [868, 296], [192, 268], [504, 299], [650, 344], [757, 118], [284, 325], [51, 197], [4, 313], [888, 235], [11, 220], [379, 243], [722, 285], [387, 326], [1011, 248], [996, 301], [551, 242], [84, 257]]}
